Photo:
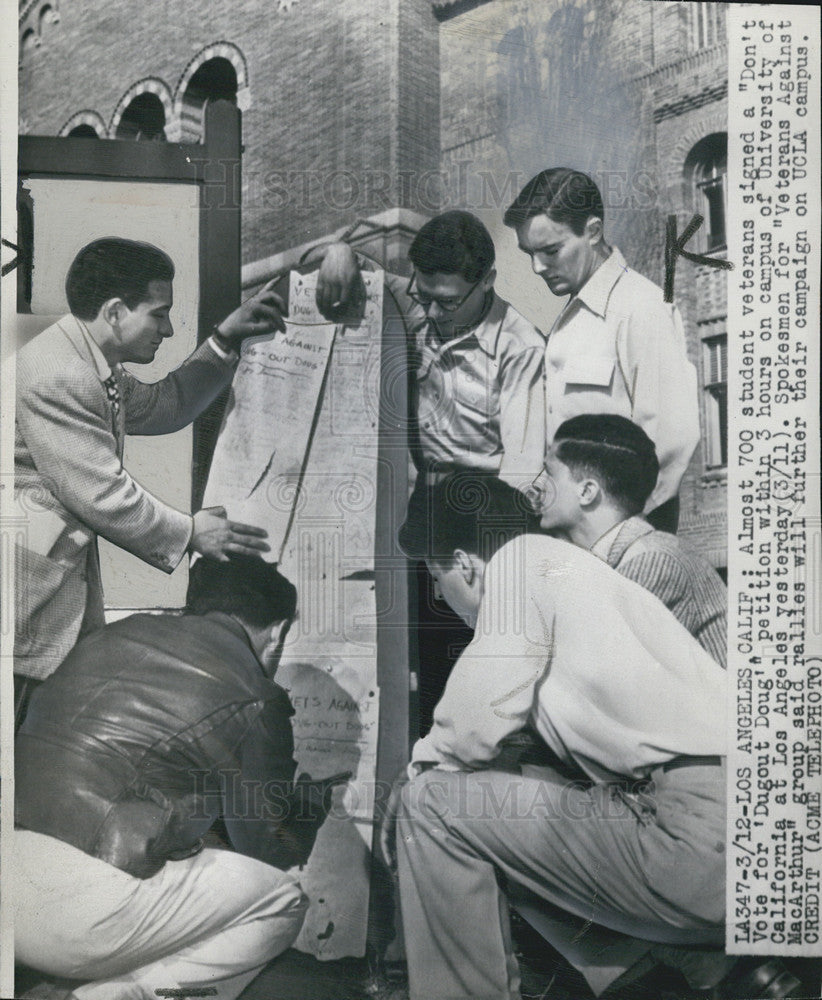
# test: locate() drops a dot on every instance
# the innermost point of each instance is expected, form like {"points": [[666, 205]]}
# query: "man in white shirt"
{"points": [[622, 694], [478, 399], [616, 347]]}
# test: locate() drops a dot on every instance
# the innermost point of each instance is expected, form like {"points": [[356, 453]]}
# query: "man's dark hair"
{"points": [[613, 450], [252, 590], [453, 243], [564, 195], [114, 268], [472, 511]]}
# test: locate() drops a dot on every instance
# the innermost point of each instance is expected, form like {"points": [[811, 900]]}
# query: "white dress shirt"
{"points": [[603, 671], [617, 347]]}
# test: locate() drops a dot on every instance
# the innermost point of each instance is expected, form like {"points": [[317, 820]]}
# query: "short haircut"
{"points": [[252, 590], [564, 195], [472, 511], [114, 268], [453, 243], [613, 450]]}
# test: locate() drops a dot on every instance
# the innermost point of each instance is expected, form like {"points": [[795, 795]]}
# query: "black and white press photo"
{"points": [[411, 550]]}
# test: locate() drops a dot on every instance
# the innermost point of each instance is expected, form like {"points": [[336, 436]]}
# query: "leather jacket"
{"points": [[151, 728]]}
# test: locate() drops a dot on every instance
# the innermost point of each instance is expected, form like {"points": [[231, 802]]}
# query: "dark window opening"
{"points": [[707, 166], [143, 119], [215, 80], [84, 131]]}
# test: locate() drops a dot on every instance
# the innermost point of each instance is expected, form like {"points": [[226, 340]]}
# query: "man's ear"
{"points": [[465, 564], [489, 279], [112, 311], [588, 491], [594, 230], [272, 648], [278, 632]]}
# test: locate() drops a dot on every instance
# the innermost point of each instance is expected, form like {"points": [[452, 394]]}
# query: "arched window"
{"points": [[706, 168], [28, 42], [47, 17], [144, 118], [84, 132], [215, 80]]}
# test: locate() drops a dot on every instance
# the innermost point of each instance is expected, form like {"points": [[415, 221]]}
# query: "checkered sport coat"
{"points": [[70, 484]]}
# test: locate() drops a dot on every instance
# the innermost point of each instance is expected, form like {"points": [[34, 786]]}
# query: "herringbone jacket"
{"points": [[70, 484]]}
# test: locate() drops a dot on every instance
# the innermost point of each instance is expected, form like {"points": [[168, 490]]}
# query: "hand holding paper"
{"points": [[262, 313], [340, 289]]}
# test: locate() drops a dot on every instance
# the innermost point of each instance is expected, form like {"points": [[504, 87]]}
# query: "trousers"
{"points": [[212, 920], [648, 863]]}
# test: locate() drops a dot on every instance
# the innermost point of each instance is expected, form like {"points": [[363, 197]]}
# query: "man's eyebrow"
{"points": [[542, 249]]}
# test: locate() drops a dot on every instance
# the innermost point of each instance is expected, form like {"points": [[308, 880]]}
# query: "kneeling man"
{"points": [[152, 728], [620, 692]]}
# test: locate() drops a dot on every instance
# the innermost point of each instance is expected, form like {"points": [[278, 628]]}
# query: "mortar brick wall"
{"points": [[342, 95]]}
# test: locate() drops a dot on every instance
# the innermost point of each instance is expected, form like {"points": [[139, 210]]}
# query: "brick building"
{"points": [[389, 110]]}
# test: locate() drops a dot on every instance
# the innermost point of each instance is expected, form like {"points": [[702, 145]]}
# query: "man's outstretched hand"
{"points": [[215, 536], [260, 314], [340, 288]]}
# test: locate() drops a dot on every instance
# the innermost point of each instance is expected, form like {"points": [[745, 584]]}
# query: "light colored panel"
{"points": [[68, 214], [329, 666]]}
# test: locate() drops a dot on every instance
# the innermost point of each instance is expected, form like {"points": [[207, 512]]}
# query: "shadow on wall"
{"points": [[565, 98]]}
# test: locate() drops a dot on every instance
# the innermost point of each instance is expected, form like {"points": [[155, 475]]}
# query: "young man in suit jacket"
{"points": [[75, 403]]}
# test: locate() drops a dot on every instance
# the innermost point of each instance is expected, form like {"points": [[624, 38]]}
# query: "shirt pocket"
{"points": [[50, 597], [475, 390], [588, 372]]}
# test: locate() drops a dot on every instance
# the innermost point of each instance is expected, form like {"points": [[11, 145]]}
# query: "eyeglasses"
{"points": [[447, 305], [537, 491]]}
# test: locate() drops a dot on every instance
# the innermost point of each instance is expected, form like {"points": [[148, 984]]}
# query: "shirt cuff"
{"points": [[178, 552], [221, 352]]}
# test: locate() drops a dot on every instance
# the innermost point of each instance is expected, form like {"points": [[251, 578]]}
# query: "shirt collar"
{"points": [[101, 366], [596, 291], [602, 546], [611, 546]]}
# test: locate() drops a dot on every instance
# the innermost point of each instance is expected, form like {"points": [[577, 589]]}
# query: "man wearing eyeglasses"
{"points": [[478, 397], [478, 362]]}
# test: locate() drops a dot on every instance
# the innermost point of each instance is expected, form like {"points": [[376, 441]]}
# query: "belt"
{"points": [[687, 761], [430, 475]]}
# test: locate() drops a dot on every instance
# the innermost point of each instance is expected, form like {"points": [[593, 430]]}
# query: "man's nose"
{"points": [[537, 265], [437, 591], [536, 492], [167, 330], [435, 310]]}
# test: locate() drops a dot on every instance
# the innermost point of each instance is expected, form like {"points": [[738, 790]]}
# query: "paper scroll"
{"points": [[266, 428]]}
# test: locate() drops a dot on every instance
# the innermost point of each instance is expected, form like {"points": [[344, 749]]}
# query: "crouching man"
{"points": [[150, 729], [623, 695], [599, 473]]}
